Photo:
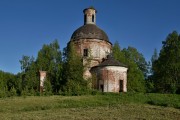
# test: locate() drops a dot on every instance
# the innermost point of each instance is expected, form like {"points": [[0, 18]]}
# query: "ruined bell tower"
{"points": [[89, 16]]}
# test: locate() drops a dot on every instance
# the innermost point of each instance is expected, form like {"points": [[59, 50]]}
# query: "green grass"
{"points": [[108, 106]]}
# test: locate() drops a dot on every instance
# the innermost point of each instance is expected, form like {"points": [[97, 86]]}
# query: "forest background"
{"points": [[65, 71]]}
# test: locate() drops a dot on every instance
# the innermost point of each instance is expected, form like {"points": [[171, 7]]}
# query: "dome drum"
{"points": [[96, 49]]}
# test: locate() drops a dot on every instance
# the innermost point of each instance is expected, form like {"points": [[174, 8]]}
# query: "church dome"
{"points": [[89, 31]]}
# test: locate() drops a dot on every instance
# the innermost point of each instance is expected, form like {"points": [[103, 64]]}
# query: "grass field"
{"points": [[99, 107]]}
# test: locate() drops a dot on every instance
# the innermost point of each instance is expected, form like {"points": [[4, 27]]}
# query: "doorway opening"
{"points": [[121, 86], [102, 88]]}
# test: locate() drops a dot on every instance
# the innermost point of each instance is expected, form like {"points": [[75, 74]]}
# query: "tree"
{"points": [[167, 67], [31, 78], [136, 79], [8, 81], [29, 73], [2, 85], [154, 56], [117, 53], [133, 55], [132, 58], [151, 78], [73, 71], [49, 59], [47, 87], [26, 63]]}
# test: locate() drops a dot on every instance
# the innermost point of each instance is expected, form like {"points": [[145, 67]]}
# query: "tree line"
{"points": [[65, 70]]}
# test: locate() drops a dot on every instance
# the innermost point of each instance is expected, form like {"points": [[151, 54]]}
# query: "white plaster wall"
{"points": [[114, 75], [98, 49], [116, 68]]}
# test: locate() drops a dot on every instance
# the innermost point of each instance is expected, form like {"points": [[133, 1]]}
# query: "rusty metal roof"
{"points": [[110, 61], [89, 31]]}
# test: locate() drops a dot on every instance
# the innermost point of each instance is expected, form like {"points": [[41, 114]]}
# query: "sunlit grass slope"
{"points": [[101, 107]]}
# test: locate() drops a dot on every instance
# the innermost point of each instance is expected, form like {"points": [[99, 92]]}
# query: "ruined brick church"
{"points": [[93, 44]]}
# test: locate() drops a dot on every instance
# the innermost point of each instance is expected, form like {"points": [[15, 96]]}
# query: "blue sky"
{"points": [[25, 25]]}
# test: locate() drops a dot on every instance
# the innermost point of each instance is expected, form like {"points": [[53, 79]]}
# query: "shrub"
{"points": [[13, 92]]}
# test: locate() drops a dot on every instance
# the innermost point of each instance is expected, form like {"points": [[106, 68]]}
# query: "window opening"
{"points": [[84, 18], [92, 18], [85, 54]]}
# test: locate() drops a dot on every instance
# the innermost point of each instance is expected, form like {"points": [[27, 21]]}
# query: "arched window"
{"points": [[85, 53], [92, 18], [85, 18]]}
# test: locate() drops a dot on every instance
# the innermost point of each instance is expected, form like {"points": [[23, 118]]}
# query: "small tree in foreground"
{"points": [[73, 72]]}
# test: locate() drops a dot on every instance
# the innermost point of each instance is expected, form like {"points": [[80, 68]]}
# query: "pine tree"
{"points": [[167, 68]]}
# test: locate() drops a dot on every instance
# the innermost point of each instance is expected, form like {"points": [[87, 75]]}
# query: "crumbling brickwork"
{"points": [[97, 51], [42, 79], [94, 46], [110, 76]]}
